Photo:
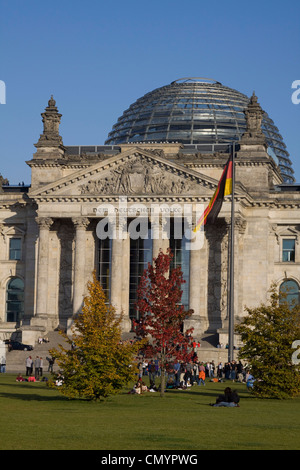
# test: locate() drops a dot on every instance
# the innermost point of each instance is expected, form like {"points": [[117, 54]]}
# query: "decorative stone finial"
{"points": [[51, 102], [254, 115], [51, 120]]}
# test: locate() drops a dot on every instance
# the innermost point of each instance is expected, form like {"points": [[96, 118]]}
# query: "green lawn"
{"points": [[34, 417]]}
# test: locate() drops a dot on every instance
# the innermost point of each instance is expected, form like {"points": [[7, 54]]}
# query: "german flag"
{"points": [[224, 189]]}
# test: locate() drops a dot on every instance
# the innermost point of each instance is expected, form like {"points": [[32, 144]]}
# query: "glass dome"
{"points": [[195, 111]]}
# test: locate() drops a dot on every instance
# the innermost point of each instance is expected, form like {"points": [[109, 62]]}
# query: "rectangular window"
{"points": [[288, 250], [181, 257], [140, 256], [104, 265], [15, 249]]}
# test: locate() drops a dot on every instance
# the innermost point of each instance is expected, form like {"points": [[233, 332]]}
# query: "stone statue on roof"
{"points": [[3, 181]]}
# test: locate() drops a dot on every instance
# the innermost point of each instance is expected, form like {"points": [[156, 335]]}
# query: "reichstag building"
{"points": [[168, 149]]}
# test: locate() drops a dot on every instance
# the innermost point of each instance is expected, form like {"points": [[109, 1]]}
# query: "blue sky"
{"points": [[98, 57]]}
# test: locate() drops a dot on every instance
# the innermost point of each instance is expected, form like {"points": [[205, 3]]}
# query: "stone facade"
{"points": [[55, 222]]}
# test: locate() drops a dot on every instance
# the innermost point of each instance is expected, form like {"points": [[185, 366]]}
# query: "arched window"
{"points": [[290, 289], [15, 300]]}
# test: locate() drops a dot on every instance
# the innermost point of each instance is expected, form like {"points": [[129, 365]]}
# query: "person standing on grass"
{"points": [[211, 369], [219, 370], [140, 367], [201, 377], [227, 370], [51, 361], [152, 372], [182, 374], [41, 366], [189, 377], [29, 365], [196, 372], [37, 366], [177, 373], [3, 365]]}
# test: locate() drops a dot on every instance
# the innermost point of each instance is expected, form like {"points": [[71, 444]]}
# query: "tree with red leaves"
{"points": [[161, 315]]}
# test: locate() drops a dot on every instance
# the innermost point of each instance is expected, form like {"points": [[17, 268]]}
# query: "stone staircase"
{"points": [[208, 350], [15, 360]]}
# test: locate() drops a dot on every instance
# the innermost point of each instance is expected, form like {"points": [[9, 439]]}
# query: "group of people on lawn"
{"points": [[37, 365], [182, 375]]}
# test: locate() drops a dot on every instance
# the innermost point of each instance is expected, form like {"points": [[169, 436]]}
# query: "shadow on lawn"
{"points": [[25, 391], [210, 393], [32, 397]]}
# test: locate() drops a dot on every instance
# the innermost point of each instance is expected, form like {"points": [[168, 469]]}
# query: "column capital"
{"points": [[80, 222], [240, 224], [44, 222]]}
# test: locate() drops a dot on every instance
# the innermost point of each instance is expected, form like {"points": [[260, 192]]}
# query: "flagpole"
{"points": [[231, 267]]}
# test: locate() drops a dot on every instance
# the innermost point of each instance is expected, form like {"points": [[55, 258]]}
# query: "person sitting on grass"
{"points": [[20, 378], [59, 380], [139, 388], [229, 399]]}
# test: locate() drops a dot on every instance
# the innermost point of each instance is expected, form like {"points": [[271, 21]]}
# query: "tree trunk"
{"points": [[163, 381], [163, 375]]}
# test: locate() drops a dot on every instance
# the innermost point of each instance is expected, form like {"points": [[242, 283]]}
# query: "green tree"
{"points": [[95, 362], [267, 334]]}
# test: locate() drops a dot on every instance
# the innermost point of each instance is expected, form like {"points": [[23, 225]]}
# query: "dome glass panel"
{"points": [[195, 111]]}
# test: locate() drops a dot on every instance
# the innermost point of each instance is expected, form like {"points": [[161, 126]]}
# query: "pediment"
{"points": [[133, 172], [11, 231], [286, 231]]}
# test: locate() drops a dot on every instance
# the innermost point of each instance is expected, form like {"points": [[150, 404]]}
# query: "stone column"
{"points": [[30, 246], [80, 224], [198, 286], [44, 224], [116, 273], [195, 280], [126, 324], [217, 273], [239, 232], [160, 239]]}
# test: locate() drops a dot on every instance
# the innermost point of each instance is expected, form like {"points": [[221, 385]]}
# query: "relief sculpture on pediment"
{"points": [[138, 177]]}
